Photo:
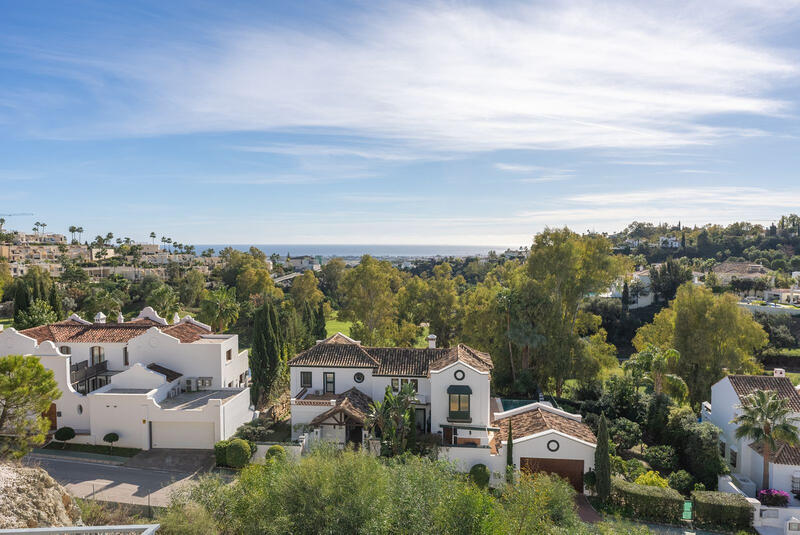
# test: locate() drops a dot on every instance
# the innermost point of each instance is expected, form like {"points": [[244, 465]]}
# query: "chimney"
{"points": [[99, 318], [120, 318], [779, 372], [431, 341]]}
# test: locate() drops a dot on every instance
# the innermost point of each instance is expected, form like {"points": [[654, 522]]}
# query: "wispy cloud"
{"points": [[454, 78]]}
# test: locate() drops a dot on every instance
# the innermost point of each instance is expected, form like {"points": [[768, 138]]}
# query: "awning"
{"points": [[459, 389]]}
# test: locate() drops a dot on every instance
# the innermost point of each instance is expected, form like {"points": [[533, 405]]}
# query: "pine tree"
{"points": [[602, 461], [55, 301]]}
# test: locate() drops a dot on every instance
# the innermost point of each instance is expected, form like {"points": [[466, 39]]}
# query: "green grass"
{"points": [[91, 448], [7, 322], [334, 325]]}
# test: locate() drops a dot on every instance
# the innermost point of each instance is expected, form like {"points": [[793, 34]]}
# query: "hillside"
{"points": [[30, 498]]}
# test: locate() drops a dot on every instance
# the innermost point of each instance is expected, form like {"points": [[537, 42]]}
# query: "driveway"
{"points": [[174, 460], [113, 483]]}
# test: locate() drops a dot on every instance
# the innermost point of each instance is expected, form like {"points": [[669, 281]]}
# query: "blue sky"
{"points": [[396, 123]]}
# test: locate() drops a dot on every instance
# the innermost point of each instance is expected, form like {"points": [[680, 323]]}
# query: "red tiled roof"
{"points": [[785, 454], [354, 404], [537, 420], [405, 361], [744, 385], [70, 331]]}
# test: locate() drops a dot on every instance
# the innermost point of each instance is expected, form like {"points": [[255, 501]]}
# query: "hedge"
{"points": [[647, 503], [220, 450], [721, 510], [238, 453], [480, 475]]}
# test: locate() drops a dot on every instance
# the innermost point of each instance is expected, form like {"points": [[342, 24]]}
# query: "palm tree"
{"points": [[654, 364], [153, 237], [393, 416], [2, 222], [72, 230], [79, 230], [219, 308], [766, 419], [43, 225]]}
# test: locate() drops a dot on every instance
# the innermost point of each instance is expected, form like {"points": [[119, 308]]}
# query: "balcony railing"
{"points": [[82, 371]]}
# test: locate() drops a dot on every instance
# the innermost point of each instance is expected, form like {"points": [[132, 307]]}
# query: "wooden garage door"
{"points": [[569, 469]]}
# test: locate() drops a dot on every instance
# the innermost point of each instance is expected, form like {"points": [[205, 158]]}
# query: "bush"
{"points": [[647, 503], [590, 479], [773, 497], [480, 475], [633, 469], [625, 433], [111, 438], [63, 434], [697, 445], [682, 481], [657, 417], [652, 479], [661, 458], [220, 452], [276, 452], [238, 453], [621, 399], [721, 510], [190, 519]]}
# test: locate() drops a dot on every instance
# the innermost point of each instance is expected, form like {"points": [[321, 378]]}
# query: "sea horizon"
{"points": [[357, 250]]}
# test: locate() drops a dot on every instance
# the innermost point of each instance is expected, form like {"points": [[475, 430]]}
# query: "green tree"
{"points": [[305, 289], [330, 276], [266, 354], [22, 300], [657, 366], [165, 301], [441, 303], [392, 417], [602, 460], [730, 337], [320, 326], [767, 420], [27, 389], [510, 454], [668, 277], [39, 313], [191, 287], [54, 300], [368, 300], [5, 275], [219, 308], [111, 438]]}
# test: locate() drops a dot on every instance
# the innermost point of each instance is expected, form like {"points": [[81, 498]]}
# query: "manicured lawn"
{"points": [[7, 322], [90, 448], [334, 325]]}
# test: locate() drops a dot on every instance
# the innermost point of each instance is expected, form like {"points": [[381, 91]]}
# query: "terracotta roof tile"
{"points": [[354, 404], [538, 420], [785, 454], [74, 332], [744, 385], [335, 355]]}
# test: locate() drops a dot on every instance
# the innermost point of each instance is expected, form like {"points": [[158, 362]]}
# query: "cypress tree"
{"points": [[310, 323], [626, 296], [510, 455], [320, 331], [22, 299], [602, 461], [259, 365], [274, 348], [55, 301]]}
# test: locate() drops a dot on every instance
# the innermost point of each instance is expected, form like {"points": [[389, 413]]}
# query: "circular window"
{"points": [[459, 375], [80, 409], [358, 377], [553, 445]]}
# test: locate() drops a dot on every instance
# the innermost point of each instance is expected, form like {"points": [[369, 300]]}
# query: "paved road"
{"points": [[113, 483]]}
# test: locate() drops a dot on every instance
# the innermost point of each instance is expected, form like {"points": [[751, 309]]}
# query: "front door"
{"points": [[51, 415], [355, 434], [419, 417]]}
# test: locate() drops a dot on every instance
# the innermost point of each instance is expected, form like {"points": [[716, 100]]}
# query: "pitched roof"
{"points": [[406, 361], [354, 404], [71, 331], [785, 453], [744, 385], [537, 420], [170, 374]]}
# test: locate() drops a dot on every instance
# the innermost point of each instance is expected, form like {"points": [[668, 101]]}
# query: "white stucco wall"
{"points": [[343, 379], [479, 400], [569, 448]]}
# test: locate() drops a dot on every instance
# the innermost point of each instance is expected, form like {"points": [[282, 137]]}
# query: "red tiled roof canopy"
{"points": [[744, 385], [537, 420]]}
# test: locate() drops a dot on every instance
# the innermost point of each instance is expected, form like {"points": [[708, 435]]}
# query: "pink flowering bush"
{"points": [[774, 497]]}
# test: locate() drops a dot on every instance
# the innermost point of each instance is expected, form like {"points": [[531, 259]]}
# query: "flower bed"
{"points": [[773, 497]]}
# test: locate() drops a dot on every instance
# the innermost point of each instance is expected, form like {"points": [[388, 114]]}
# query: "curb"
{"points": [[116, 461]]}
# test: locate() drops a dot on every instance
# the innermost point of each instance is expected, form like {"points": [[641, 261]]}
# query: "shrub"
{"points": [[190, 519], [773, 497], [625, 433], [721, 510], [661, 458], [590, 479], [111, 438], [276, 452], [697, 445], [633, 469], [63, 434], [480, 475], [682, 481], [621, 399], [238, 453], [652, 479], [657, 417], [220, 452], [646, 502]]}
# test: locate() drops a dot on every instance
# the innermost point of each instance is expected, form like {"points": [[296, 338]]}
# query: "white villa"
{"points": [[334, 382], [743, 458], [155, 384]]}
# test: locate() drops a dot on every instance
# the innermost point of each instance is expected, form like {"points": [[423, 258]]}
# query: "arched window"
{"points": [[65, 350], [98, 355]]}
